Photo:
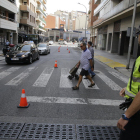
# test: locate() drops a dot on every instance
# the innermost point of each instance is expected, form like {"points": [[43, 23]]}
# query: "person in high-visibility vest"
{"points": [[129, 123]]}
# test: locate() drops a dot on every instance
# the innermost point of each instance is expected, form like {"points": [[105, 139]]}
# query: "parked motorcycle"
{"points": [[7, 48]]}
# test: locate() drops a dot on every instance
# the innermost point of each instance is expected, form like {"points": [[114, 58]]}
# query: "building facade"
{"points": [[8, 22], [31, 18], [91, 19], [113, 25]]}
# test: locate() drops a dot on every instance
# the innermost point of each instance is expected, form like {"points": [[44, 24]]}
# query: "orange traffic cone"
{"points": [[67, 48], [55, 65], [69, 51], [23, 100], [58, 49]]}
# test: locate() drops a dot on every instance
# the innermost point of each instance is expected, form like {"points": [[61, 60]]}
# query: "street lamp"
{"points": [[86, 18]]}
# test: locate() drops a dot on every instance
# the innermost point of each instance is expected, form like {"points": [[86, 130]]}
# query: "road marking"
{"points": [[56, 100], [77, 101], [18, 79], [86, 82], [43, 79], [8, 72], [109, 82], [105, 102], [64, 81], [120, 77]]}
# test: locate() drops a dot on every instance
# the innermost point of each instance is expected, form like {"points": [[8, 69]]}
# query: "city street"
{"points": [[49, 92]]}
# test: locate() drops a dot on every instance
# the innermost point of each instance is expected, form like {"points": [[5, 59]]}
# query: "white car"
{"points": [[50, 42], [63, 42]]}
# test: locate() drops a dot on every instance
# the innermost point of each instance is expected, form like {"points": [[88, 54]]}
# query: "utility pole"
{"points": [[131, 36]]}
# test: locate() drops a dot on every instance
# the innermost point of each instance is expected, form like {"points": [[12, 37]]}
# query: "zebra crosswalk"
{"points": [[43, 79]]}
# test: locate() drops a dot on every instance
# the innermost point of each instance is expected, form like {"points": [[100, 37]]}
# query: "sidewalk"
{"points": [[114, 61]]}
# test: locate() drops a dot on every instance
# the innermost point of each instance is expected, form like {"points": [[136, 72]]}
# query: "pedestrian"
{"points": [[92, 54], [129, 123], [7, 43], [86, 63]]}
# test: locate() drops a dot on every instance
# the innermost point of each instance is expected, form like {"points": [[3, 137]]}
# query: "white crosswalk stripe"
{"points": [[18, 79], [43, 79], [77, 101], [64, 81], [120, 77], [109, 82], [8, 72], [86, 82]]}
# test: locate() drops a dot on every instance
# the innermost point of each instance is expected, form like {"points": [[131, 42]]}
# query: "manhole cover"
{"points": [[48, 132], [10, 130], [85, 132]]}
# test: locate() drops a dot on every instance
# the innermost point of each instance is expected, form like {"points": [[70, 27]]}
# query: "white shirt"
{"points": [[84, 60]]}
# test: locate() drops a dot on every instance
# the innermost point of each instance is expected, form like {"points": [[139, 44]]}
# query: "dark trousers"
{"points": [[132, 129]]}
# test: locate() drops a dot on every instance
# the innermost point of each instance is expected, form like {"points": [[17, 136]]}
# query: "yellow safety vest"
{"points": [[133, 85]]}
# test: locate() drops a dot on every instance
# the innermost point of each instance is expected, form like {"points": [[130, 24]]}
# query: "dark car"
{"points": [[43, 48], [25, 53]]}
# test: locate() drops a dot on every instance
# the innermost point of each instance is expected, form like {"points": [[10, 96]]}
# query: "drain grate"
{"points": [[85, 132], [10, 130], [48, 132]]}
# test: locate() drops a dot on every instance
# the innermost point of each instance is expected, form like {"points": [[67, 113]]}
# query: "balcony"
{"points": [[45, 1], [39, 10], [40, 27], [5, 22], [100, 6], [24, 7], [40, 19], [125, 4], [26, 21], [38, 1], [9, 5]]}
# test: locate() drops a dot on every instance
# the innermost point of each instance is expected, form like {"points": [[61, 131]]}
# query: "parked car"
{"points": [[43, 48], [50, 42], [62, 42], [25, 53]]}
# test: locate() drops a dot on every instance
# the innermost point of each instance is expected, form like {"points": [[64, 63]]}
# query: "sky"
{"points": [[66, 5]]}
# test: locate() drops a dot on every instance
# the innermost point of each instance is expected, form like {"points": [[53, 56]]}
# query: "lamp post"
{"points": [[86, 18]]}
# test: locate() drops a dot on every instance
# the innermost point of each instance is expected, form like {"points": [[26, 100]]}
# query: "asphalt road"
{"points": [[50, 95]]}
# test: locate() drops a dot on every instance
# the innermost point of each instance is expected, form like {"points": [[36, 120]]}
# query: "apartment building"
{"points": [[31, 18], [41, 15], [113, 25], [91, 19], [8, 22], [53, 26]]}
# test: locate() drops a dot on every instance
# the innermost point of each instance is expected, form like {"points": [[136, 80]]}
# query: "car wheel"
{"points": [[30, 60], [38, 57]]}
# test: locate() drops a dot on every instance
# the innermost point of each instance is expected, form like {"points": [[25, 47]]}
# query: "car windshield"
{"points": [[23, 48], [26, 48], [41, 45]]}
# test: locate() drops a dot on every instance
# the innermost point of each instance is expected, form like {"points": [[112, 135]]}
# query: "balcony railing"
{"points": [[7, 18], [38, 8], [42, 27], [99, 7], [125, 4]]}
